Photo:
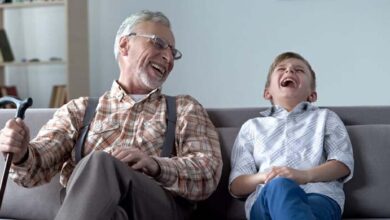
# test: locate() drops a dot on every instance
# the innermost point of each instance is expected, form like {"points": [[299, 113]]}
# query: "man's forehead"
{"points": [[155, 28]]}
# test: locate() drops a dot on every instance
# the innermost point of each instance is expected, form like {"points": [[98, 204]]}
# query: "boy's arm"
{"points": [[245, 184], [331, 170], [328, 171]]}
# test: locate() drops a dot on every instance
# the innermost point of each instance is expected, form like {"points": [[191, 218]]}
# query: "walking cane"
{"points": [[21, 106]]}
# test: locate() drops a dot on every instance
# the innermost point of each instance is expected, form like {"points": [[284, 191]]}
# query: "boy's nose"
{"points": [[289, 70]]}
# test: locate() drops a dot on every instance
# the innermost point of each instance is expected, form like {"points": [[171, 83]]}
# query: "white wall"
{"points": [[36, 33], [228, 46]]}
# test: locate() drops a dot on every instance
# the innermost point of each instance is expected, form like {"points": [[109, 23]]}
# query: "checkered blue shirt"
{"points": [[301, 139]]}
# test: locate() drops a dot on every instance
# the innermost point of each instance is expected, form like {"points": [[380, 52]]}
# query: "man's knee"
{"points": [[98, 155], [97, 158]]}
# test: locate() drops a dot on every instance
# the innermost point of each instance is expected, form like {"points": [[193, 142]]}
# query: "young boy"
{"points": [[292, 162]]}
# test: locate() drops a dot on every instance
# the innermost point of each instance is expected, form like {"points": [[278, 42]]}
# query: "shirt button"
{"points": [[98, 125], [119, 96]]}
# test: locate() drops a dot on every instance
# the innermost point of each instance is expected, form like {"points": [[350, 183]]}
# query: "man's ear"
{"points": [[124, 46], [312, 97], [267, 95]]}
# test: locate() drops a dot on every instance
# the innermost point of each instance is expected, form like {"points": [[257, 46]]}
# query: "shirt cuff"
{"points": [[168, 172], [24, 158]]}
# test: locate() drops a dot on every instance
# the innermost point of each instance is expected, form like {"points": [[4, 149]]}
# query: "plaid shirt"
{"points": [[121, 122]]}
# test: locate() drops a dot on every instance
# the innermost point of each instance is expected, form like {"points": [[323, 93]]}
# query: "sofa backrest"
{"points": [[366, 194]]}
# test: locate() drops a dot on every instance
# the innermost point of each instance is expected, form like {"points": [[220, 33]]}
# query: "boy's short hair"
{"points": [[288, 55]]}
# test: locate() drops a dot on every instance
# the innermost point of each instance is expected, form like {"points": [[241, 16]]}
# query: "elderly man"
{"points": [[123, 175]]}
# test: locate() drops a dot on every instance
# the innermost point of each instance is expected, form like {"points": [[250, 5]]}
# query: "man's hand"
{"points": [[137, 160], [14, 138], [299, 176]]}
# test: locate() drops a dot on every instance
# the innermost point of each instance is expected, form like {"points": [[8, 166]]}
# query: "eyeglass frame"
{"points": [[160, 43]]}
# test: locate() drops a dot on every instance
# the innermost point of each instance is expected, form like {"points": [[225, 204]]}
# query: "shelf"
{"points": [[31, 4], [25, 64], [73, 68]]}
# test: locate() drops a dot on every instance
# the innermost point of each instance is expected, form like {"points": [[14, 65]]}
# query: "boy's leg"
{"points": [[323, 207], [101, 185], [281, 199]]}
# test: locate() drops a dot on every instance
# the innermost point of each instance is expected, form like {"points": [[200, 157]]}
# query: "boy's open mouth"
{"points": [[288, 82]]}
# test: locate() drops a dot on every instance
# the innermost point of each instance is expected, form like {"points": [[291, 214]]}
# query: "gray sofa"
{"points": [[367, 194]]}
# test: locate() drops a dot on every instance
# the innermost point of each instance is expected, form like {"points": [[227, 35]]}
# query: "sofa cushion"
{"points": [[36, 203], [367, 193], [40, 202], [220, 205]]}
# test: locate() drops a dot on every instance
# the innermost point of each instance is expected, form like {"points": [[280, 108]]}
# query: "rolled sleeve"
{"points": [[337, 144], [242, 158]]}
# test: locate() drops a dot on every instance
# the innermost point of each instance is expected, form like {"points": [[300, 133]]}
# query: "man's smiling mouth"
{"points": [[159, 69]]}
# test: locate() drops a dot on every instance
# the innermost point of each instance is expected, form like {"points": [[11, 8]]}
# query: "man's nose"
{"points": [[168, 58], [167, 54]]}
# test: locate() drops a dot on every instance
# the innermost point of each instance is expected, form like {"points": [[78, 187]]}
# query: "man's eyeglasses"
{"points": [[160, 43]]}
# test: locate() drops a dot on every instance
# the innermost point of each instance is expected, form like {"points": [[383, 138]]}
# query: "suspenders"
{"points": [[168, 146], [88, 116], [168, 149]]}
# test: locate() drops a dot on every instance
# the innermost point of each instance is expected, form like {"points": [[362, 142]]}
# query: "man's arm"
{"points": [[51, 148], [195, 171]]}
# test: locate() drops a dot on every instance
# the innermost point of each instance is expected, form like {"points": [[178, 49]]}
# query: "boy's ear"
{"points": [[267, 95], [124, 46], [312, 97]]}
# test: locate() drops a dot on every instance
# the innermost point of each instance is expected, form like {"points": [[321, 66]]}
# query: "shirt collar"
{"points": [[280, 111], [120, 94]]}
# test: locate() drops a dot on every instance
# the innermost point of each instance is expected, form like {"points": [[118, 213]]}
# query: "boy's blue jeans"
{"points": [[282, 198]]}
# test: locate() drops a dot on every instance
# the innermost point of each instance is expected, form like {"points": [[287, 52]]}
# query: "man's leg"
{"points": [[101, 185], [323, 207], [281, 199]]}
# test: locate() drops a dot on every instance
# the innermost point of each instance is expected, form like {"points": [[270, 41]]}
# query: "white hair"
{"points": [[130, 22]]}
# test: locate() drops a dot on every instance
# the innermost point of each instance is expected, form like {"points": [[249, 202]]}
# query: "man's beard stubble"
{"points": [[149, 82]]}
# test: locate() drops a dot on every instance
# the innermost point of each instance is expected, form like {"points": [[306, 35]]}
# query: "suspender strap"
{"points": [[89, 115], [168, 148]]}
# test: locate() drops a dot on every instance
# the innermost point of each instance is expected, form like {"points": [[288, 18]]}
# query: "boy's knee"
{"points": [[279, 183], [282, 187]]}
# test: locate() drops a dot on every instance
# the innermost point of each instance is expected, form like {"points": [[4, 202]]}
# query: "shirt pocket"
{"points": [[102, 134], [150, 136]]}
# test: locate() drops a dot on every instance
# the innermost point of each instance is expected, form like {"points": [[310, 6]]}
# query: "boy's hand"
{"points": [[299, 176]]}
